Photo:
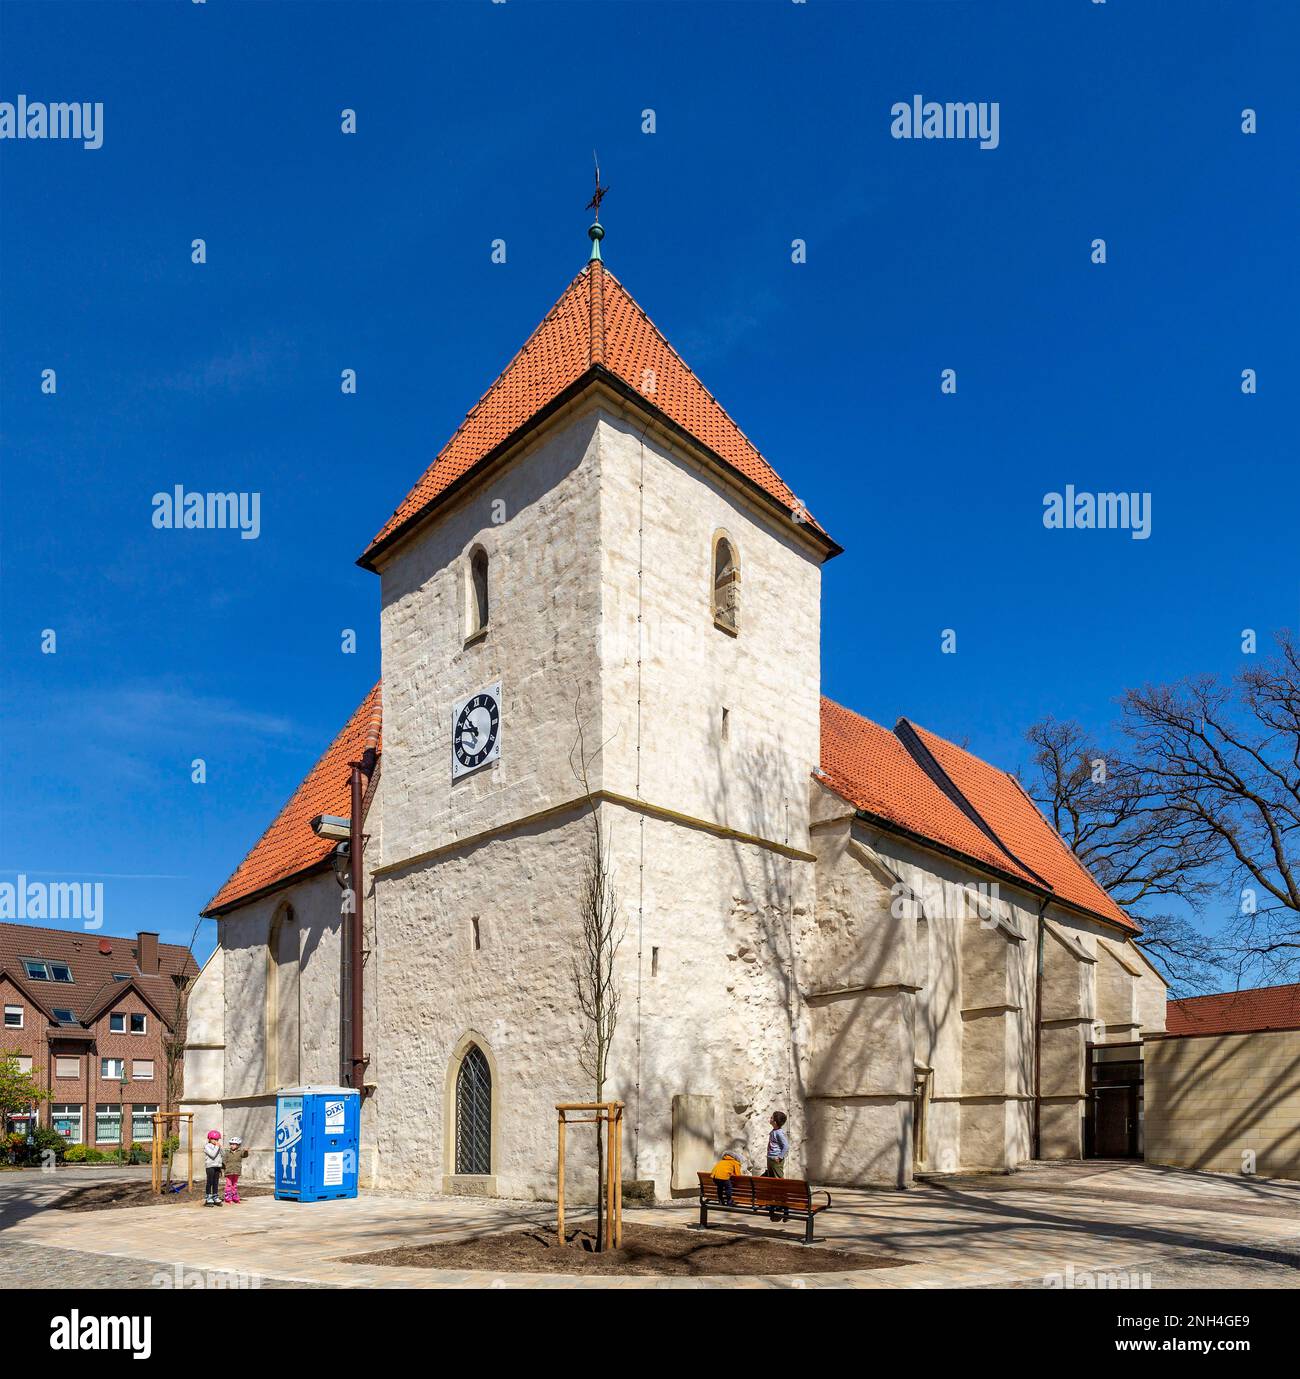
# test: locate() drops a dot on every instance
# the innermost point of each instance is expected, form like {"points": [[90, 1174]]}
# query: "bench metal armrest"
{"points": [[821, 1191]]}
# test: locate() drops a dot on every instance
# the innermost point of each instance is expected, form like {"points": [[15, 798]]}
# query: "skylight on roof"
{"points": [[64, 1016], [38, 970]]}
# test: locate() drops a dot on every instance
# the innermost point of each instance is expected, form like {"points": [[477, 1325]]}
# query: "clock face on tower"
{"points": [[476, 731]]}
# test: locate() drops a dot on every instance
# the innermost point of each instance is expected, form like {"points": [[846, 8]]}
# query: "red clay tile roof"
{"points": [[289, 847], [872, 769], [1263, 1007], [596, 323], [933, 788], [92, 984]]}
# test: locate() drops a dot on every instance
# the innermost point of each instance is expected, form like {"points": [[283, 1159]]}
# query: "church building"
{"points": [[866, 927]]}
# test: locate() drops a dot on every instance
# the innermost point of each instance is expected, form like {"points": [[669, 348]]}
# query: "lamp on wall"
{"points": [[338, 830]]}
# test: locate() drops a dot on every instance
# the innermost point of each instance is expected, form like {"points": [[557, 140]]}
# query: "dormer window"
{"points": [[476, 622], [726, 585]]}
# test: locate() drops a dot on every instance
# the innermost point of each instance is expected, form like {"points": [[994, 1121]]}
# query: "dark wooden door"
{"points": [[1115, 1135]]}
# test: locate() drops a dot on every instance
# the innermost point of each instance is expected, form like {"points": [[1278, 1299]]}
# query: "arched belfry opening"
{"points": [[479, 610], [726, 584]]}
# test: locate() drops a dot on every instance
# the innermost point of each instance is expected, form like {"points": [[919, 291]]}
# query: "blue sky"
{"points": [[476, 121]]}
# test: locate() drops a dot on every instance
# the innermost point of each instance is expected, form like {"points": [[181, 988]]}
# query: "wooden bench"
{"points": [[786, 1197]]}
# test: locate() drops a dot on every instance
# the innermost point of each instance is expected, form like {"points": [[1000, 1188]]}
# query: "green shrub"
{"points": [[75, 1154], [47, 1137], [93, 1155]]}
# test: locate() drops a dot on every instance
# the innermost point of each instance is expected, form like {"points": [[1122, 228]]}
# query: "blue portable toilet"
{"points": [[317, 1143]]}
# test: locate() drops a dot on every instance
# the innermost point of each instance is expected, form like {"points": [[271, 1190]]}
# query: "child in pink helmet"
{"points": [[212, 1163], [235, 1157]]}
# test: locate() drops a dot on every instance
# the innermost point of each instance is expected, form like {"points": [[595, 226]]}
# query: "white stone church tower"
{"points": [[797, 886]]}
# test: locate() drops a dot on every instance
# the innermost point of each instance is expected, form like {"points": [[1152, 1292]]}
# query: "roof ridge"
{"points": [[90, 935], [1240, 991], [493, 387], [708, 392]]}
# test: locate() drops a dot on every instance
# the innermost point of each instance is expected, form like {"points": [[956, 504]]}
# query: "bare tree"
{"points": [[1112, 816], [595, 983], [1223, 759]]}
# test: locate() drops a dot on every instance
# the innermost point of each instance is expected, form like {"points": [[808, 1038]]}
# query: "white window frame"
{"points": [[21, 1059], [138, 1076], [149, 1109], [14, 1010], [56, 1114], [73, 1058], [143, 1019], [117, 1015], [43, 975], [105, 1075], [67, 967], [108, 1110]]}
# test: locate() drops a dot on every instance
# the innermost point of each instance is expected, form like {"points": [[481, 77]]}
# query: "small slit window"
{"points": [[726, 585], [478, 592]]}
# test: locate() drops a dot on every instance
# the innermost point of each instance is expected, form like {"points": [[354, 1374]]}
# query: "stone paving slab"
{"points": [[961, 1232]]}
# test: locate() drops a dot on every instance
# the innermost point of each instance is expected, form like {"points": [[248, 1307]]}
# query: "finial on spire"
{"points": [[596, 232]]}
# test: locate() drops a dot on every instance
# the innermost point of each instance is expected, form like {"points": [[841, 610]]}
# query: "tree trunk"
{"points": [[600, 1189]]}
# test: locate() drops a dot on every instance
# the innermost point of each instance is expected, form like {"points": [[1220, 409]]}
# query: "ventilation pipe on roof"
{"points": [[362, 773]]}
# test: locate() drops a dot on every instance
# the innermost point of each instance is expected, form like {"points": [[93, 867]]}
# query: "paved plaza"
{"points": [[1077, 1224]]}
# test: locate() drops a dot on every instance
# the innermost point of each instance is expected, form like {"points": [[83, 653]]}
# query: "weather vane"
{"points": [[601, 192]]}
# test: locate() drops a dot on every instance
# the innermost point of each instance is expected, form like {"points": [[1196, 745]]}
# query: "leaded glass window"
{"points": [[474, 1113]]}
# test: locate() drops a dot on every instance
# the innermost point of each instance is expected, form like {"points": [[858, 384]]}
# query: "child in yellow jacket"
{"points": [[727, 1168]]}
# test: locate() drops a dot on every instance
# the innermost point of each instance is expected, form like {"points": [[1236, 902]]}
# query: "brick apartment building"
{"points": [[89, 1016]]}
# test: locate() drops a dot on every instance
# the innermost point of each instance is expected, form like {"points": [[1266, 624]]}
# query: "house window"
{"points": [[60, 972], [66, 1119], [24, 1063], [142, 1122], [108, 1124], [726, 585], [117, 1024], [478, 592], [13, 1017], [67, 1066], [111, 1069], [142, 1070], [474, 1113], [121, 977], [36, 970], [137, 1024], [20, 1122], [64, 1016]]}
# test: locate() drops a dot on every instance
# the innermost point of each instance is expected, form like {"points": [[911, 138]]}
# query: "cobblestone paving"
{"points": [[46, 1266], [1166, 1228]]}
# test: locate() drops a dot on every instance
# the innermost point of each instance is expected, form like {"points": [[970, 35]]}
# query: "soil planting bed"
{"points": [[670, 1250]]}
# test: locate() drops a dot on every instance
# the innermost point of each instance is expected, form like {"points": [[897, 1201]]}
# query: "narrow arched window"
{"points": [[478, 591], [474, 1113], [726, 585]]}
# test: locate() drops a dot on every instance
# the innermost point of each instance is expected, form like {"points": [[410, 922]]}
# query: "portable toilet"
{"points": [[317, 1143]]}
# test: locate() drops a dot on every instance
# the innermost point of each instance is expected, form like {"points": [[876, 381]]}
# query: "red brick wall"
{"points": [[88, 1089]]}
